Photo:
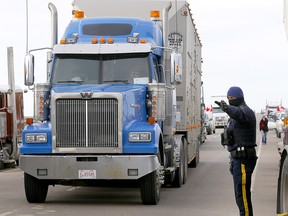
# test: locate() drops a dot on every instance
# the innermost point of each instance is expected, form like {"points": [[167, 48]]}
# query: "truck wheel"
{"points": [[35, 189], [150, 188], [179, 173], [282, 190]]}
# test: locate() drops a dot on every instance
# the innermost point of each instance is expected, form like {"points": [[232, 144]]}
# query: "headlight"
{"points": [[139, 137], [36, 138]]}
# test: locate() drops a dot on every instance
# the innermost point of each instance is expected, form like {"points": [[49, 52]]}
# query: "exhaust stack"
{"points": [[54, 24]]}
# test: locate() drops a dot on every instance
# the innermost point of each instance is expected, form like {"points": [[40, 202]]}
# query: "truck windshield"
{"points": [[98, 69]]}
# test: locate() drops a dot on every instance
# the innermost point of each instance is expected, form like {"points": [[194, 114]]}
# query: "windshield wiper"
{"points": [[71, 81], [110, 81]]}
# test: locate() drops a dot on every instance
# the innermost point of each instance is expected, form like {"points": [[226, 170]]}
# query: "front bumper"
{"points": [[71, 167], [220, 124]]}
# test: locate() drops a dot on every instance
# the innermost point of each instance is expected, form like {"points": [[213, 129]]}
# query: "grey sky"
{"points": [[244, 44]]}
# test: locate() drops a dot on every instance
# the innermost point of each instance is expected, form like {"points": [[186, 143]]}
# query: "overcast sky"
{"points": [[244, 44]]}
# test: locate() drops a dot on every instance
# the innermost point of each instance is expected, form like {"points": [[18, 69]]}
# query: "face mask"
{"points": [[236, 102]]}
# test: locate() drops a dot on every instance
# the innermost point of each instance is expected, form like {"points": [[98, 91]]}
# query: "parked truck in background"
{"points": [[121, 101], [279, 129], [220, 117], [271, 109], [11, 117]]}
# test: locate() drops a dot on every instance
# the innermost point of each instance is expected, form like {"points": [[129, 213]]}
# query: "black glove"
{"points": [[222, 105]]}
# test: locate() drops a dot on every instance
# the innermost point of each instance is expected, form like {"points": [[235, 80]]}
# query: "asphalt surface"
{"points": [[208, 190]]}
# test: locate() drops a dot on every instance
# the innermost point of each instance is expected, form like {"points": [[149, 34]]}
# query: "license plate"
{"points": [[87, 174]]}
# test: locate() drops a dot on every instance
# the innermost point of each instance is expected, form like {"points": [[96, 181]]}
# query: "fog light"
{"points": [[132, 172], [42, 172]]}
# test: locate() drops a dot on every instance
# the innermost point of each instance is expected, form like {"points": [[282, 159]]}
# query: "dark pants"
{"points": [[242, 169]]}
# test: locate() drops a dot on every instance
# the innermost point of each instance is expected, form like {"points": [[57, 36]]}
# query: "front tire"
{"points": [[150, 188], [35, 189]]}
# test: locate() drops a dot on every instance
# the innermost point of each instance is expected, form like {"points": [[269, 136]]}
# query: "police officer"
{"points": [[240, 137]]}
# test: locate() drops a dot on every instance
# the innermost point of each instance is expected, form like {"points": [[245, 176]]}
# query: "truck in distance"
{"points": [[220, 117]]}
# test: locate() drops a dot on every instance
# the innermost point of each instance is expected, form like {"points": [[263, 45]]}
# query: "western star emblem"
{"points": [[86, 95]]}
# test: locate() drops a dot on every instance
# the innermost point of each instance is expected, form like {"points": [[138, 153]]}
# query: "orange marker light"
{"points": [[63, 41], [154, 14], [110, 41], [177, 68], [79, 14], [102, 40], [143, 41], [151, 120], [29, 121], [94, 41]]}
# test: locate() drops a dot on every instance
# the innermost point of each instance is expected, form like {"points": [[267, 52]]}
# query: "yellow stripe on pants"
{"points": [[244, 194]]}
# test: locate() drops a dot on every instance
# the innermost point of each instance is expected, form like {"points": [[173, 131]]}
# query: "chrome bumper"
{"points": [[95, 166]]}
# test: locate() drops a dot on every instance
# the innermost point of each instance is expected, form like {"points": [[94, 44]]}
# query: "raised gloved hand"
{"points": [[222, 105]]}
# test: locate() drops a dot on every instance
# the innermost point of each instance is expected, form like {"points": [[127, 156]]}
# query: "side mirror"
{"points": [[29, 70], [176, 68]]}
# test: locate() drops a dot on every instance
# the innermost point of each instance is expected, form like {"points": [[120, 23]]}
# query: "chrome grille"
{"points": [[87, 123]]}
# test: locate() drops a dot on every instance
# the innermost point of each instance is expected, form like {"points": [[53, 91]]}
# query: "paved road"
{"points": [[208, 191]]}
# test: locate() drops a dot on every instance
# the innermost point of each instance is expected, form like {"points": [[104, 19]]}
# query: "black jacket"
{"points": [[242, 126]]}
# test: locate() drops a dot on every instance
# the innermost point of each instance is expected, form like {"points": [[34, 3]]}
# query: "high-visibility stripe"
{"points": [[244, 194], [283, 214]]}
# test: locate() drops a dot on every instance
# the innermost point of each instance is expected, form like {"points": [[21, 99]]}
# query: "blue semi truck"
{"points": [[122, 100]]}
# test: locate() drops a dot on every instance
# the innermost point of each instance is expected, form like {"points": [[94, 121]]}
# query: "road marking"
{"points": [[6, 213], [258, 153]]}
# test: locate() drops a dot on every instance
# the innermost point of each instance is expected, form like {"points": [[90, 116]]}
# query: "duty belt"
{"points": [[242, 152]]}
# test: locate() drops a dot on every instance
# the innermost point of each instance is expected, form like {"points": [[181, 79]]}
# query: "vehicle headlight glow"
{"points": [[36, 138], [139, 137]]}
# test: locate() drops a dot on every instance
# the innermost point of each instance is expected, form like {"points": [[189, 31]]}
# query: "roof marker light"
{"points": [[110, 40], [79, 14], [63, 41], [154, 14], [94, 41], [143, 41], [102, 40]]}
